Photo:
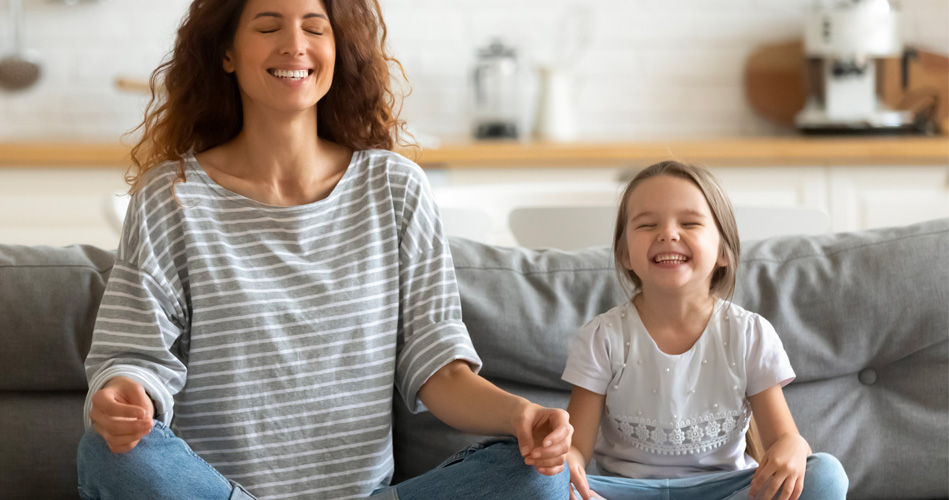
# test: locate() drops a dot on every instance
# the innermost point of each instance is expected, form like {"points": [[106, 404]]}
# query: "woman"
{"points": [[279, 271]]}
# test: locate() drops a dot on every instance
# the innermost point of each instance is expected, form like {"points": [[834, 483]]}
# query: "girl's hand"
{"points": [[543, 435], [585, 409], [782, 467], [578, 476]]}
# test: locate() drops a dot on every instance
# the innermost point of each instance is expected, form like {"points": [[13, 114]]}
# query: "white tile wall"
{"points": [[653, 68]]}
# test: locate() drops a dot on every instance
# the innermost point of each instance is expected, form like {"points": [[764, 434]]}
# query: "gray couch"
{"points": [[863, 317]]}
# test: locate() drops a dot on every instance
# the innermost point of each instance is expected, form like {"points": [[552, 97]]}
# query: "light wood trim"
{"points": [[730, 152], [64, 154], [791, 151]]}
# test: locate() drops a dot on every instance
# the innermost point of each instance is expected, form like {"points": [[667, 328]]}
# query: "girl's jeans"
{"points": [[824, 479], [163, 466]]}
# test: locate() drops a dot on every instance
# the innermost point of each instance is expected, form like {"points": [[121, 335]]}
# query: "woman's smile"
{"points": [[290, 74]]}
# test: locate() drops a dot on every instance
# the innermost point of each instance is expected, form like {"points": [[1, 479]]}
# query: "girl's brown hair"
{"points": [[200, 105], [723, 278]]}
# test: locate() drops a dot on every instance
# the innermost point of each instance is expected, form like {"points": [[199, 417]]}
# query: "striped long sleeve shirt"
{"points": [[271, 339]]}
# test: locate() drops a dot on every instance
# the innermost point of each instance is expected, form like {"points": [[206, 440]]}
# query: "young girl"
{"points": [[671, 378]]}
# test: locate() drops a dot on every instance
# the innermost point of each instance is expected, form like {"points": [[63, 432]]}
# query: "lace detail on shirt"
{"points": [[686, 437]]}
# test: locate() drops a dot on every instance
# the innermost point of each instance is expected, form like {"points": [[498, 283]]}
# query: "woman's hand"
{"points": [[782, 467], [543, 435], [469, 403], [122, 413]]}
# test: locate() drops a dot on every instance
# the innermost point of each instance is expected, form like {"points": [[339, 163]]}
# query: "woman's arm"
{"points": [[469, 403], [786, 451], [132, 368], [585, 409]]}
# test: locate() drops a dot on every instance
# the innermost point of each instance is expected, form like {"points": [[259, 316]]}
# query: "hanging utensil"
{"points": [[17, 71]]}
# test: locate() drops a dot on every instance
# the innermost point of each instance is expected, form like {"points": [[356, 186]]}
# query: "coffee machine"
{"points": [[847, 46]]}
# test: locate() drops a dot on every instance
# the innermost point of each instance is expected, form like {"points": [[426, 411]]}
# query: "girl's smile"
{"points": [[670, 259]]}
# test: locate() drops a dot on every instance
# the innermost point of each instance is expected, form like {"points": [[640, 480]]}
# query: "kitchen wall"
{"points": [[650, 68]]}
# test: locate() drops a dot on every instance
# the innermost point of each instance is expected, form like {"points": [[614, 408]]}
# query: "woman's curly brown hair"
{"points": [[200, 105]]}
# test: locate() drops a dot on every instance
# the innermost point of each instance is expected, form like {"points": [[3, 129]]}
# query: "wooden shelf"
{"points": [[793, 151], [763, 151], [63, 154]]}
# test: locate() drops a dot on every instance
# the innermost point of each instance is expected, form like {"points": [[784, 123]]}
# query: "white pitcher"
{"points": [[556, 114]]}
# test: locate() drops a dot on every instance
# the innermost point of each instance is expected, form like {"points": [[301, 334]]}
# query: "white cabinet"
{"points": [[59, 206], [575, 207], [854, 197], [769, 200], [871, 197], [62, 206], [786, 187]]}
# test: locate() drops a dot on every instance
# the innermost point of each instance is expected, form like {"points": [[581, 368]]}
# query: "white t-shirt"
{"points": [[671, 416]]}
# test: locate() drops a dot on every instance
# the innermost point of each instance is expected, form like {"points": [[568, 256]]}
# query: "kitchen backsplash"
{"points": [[649, 68]]}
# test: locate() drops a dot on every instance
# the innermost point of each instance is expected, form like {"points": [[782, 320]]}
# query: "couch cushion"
{"points": [[863, 317], [48, 303], [39, 434], [521, 308]]}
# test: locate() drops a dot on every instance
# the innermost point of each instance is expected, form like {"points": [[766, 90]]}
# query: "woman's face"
{"points": [[283, 55]]}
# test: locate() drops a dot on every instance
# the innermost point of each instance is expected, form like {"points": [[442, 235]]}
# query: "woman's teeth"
{"points": [[290, 74]]}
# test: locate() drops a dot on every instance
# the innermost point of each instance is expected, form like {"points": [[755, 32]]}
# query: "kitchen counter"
{"points": [[751, 151]]}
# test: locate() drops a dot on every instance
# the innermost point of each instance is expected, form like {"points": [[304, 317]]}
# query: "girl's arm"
{"points": [[786, 451], [585, 409], [468, 402]]}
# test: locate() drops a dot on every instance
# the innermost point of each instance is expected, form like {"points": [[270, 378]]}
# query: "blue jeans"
{"points": [[824, 479], [491, 469], [163, 466]]}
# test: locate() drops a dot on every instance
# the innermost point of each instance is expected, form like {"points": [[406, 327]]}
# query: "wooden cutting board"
{"points": [[776, 80]]}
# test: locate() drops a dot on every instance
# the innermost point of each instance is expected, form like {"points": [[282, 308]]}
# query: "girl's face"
{"points": [[672, 241], [283, 55]]}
